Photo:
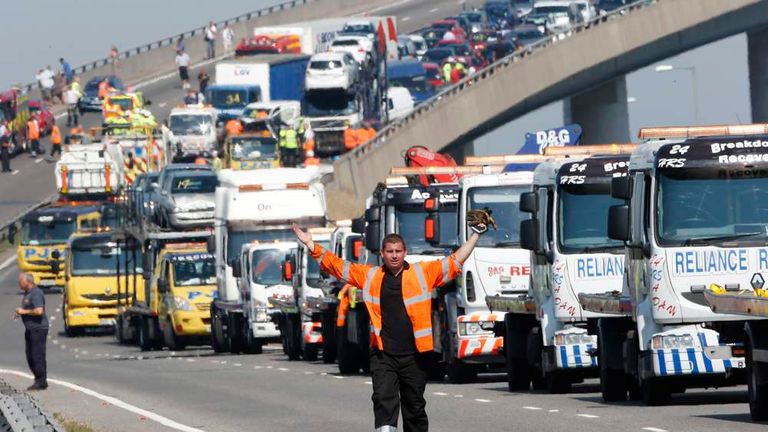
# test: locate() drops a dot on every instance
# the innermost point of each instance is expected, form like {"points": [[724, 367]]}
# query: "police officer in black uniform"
{"points": [[32, 313]]}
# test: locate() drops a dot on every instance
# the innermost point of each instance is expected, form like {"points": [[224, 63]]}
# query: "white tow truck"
{"points": [[257, 205], [693, 216], [551, 342], [90, 169], [192, 132]]}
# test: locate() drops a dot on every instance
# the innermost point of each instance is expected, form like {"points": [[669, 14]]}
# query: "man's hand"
{"points": [[480, 228], [303, 237], [19, 312]]}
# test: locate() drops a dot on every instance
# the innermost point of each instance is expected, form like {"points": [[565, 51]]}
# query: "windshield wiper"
{"points": [[723, 238], [507, 244], [430, 252], [604, 248]]}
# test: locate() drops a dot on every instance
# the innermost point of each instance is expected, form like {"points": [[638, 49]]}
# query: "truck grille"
{"points": [[205, 307], [319, 125], [105, 297]]}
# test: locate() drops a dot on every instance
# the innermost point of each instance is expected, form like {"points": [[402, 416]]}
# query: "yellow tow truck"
{"points": [[250, 151]]}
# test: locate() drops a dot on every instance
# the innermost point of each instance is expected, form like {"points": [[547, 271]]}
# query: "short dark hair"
{"points": [[394, 239]]}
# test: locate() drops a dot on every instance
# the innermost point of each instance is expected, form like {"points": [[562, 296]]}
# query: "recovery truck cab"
{"points": [[192, 132], [691, 218], [550, 340], [249, 151], [256, 205], [41, 244], [95, 274]]}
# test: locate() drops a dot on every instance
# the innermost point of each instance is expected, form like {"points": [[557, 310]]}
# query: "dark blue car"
{"points": [[90, 100], [410, 73]]}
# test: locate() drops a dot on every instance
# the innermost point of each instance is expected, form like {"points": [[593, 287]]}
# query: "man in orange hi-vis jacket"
{"points": [[398, 296]]}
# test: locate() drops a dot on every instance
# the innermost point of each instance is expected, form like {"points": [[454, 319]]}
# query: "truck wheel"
{"points": [[655, 392], [119, 333], [252, 344], [757, 376], [293, 337], [311, 351], [458, 372], [437, 368], [613, 382], [558, 382], [145, 342], [515, 343], [329, 336], [348, 354], [236, 342], [218, 338], [172, 341]]}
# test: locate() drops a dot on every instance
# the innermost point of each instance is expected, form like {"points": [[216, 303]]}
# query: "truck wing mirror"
{"points": [[529, 235], [618, 222], [357, 249], [12, 230], [162, 285], [235, 264], [432, 229], [373, 236], [358, 225], [621, 188], [529, 202], [210, 244], [373, 214]]}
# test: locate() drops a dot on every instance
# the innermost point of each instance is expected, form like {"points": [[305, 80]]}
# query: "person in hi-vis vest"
{"points": [[398, 296]]}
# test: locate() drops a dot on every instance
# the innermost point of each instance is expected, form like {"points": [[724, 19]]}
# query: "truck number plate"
{"points": [[107, 322], [47, 282], [739, 363]]}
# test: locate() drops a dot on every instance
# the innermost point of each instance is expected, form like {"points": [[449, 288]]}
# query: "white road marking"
{"points": [[258, 367], [323, 373], [554, 411], [391, 5], [15, 172], [55, 342], [533, 408], [58, 309], [63, 346], [308, 372], [462, 1], [162, 104], [140, 357], [483, 400], [191, 360], [439, 394], [405, 19], [458, 396], [283, 369], [38, 160], [84, 352], [588, 416], [653, 429], [238, 364], [223, 362], [113, 401], [338, 376], [269, 367], [52, 318], [8, 262], [433, 10]]}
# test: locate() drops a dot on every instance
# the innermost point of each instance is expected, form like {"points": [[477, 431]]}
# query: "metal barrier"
{"points": [[456, 89], [173, 39], [20, 413]]}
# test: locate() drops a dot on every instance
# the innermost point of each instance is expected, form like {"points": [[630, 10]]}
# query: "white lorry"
{"points": [[90, 169], [257, 205], [692, 216], [550, 340], [192, 132]]}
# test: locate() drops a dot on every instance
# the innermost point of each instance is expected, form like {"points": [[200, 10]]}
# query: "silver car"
{"points": [[186, 200]]}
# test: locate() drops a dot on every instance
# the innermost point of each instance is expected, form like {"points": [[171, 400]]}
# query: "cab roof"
{"points": [[59, 213]]}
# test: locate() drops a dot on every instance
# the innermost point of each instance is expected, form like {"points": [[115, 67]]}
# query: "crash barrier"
{"points": [[13, 220], [157, 58], [20, 413], [347, 163]]}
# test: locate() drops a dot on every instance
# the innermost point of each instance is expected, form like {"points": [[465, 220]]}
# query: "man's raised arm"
{"points": [[349, 272]]}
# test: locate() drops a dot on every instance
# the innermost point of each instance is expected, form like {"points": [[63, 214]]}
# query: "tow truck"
{"points": [[550, 341], [691, 218], [251, 150], [256, 205]]}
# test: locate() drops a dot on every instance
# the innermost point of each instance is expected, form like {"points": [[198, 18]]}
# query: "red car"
{"points": [[434, 74], [269, 44], [44, 115], [451, 25]]}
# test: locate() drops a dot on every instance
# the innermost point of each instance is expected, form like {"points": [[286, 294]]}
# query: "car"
{"points": [[405, 47], [410, 74], [145, 194], [476, 18], [90, 100], [434, 74], [359, 47], [186, 200], [420, 43], [587, 9], [463, 23], [450, 25], [499, 49], [44, 115], [553, 16], [359, 27], [525, 34], [331, 70], [432, 36], [438, 55], [399, 102]]}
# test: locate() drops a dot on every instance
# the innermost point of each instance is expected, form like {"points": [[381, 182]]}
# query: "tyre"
{"points": [[119, 333], [458, 372], [171, 339], [515, 343], [234, 333], [293, 337], [145, 342], [311, 351], [655, 392], [757, 379], [252, 344], [558, 382], [218, 337], [348, 354], [613, 382]]}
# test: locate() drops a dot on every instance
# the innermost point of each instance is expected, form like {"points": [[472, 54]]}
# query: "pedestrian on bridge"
{"points": [[71, 99], [398, 297], [210, 39], [5, 147], [182, 61], [33, 315]]}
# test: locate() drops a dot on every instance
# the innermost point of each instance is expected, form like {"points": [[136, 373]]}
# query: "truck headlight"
{"points": [[482, 328], [574, 339], [182, 304], [673, 341]]}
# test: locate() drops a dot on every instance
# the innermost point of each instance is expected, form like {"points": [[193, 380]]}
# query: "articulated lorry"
{"points": [[550, 340], [255, 206], [690, 218]]}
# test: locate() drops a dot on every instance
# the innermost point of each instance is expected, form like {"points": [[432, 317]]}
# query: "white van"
{"points": [[399, 102]]}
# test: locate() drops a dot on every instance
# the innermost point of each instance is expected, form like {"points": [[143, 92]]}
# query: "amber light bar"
{"points": [[504, 159], [411, 171], [702, 131], [587, 150]]}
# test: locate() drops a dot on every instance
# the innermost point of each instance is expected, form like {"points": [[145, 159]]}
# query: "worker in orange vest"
{"points": [[310, 159], [103, 88], [33, 136], [55, 140], [398, 297], [367, 133], [350, 137], [233, 127]]}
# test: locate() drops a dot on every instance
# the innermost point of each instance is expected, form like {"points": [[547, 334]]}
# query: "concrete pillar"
{"points": [[757, 55], [601, 111]]}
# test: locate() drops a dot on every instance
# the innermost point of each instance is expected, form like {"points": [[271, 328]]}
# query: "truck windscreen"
{"points": [[194, 270], [711, 204], [102, 261], [254, 148], [410, 226], [314, 276], [187, 124], [504, 202], [266, 266], [237, 238], [329, 103], [36, 233], [582, 218]]}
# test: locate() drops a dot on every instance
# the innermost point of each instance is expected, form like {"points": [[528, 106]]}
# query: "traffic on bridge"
{"points": [[210, 232]]}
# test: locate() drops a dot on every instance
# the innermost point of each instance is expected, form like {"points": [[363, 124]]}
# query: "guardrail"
{"points": [[456, 89], [171, 40], [20, 413], [4, 227]]}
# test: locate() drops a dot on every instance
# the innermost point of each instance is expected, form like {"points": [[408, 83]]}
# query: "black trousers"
{"points": [[5, 157], [399, 381], [36, 148], [35, 346], [55, 148], [72, 118]]}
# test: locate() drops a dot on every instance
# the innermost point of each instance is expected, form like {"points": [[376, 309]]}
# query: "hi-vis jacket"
{"points": [[419, 280]]}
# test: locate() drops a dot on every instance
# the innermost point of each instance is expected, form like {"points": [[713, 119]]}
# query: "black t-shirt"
{"points": [[396, 327], [32, 300]]}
